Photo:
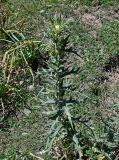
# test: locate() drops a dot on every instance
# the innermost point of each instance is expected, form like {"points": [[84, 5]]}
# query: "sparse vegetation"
{"points": [[59, 80]]}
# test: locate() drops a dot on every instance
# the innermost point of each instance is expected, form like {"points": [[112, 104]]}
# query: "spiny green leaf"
{"points": [[68, 115]]}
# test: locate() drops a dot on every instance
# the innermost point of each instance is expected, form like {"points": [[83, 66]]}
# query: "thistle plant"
{"points": [[59, 90], [66, 138]]}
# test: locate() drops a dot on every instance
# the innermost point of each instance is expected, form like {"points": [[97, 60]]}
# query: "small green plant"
{"points": [[60, 93], [23, 55], [16, 54]]}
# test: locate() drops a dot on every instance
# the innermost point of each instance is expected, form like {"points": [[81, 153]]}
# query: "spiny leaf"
{"points": [[68, 115]]}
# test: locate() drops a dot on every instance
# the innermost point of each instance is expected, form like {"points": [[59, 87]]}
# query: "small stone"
{"points": [[31, 88], [24, 133]]}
